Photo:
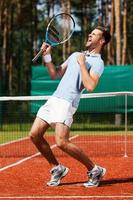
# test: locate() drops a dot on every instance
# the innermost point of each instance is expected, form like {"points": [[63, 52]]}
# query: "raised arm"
{"points": [[54, 72], [89, 79]]}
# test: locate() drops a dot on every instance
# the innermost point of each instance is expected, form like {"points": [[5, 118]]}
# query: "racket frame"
{"points": [[54, 43]]}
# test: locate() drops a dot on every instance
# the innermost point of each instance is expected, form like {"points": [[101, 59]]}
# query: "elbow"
{"points": [[89, 86], [53, 76], [90, 89]]}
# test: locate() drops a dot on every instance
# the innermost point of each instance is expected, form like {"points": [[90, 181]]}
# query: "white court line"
{"points": [[66, 197], [102, 141], [14, 141], [30, 157]]}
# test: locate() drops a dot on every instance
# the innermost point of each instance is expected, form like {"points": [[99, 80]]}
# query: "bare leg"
{"points": [[63, 142], [38, 129]]}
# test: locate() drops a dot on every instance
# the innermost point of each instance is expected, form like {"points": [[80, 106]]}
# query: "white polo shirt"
{"points": [[70, 86]]}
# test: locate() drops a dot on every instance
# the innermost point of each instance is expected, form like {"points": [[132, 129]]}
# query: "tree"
{"points": [[118, 31], [22, 28], [110, 56], [129, 51], [124, 33], [118, 46], [4, 25]]}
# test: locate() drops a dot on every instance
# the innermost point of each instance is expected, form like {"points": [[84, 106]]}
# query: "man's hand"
{"points": [[89, 79], [46, 48], [81, 59]]}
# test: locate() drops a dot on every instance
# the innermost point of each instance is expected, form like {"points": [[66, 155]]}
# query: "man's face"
{"points": [[95, 38]]}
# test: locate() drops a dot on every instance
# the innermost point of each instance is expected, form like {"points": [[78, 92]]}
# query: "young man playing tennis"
{"points": [[79, 71]]}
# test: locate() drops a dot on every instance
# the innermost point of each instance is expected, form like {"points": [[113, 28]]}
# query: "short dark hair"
{"points": [[106, 33]]}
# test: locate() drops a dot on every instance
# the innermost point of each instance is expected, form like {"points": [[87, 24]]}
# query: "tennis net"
{"points": [[102, 124]]}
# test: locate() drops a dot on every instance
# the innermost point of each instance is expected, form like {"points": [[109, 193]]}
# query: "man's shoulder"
{"points": [[73, 56], [98, 59], [75, 53]]}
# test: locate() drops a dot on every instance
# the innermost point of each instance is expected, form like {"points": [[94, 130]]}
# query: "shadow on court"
{"points": [[72, 183], [115, 181], [103, 183]]}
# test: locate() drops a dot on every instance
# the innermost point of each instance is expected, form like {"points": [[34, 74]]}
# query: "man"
{"points": [[79, 71]]}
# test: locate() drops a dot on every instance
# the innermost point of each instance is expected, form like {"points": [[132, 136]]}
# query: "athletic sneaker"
{"points": [[95, 175], [57, 173]]}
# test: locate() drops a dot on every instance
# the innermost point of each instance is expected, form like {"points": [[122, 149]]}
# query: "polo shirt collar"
{"points": [[87, 53]]}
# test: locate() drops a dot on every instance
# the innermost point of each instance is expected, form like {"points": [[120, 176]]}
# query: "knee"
{"points": [[61, 144], [34, 136]]}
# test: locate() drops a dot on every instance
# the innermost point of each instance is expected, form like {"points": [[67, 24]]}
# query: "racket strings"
{"points": [[54, 34], [60, 29], [58, 37], [54, 30]]}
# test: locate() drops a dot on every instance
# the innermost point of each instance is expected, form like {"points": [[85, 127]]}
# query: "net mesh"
{"points": [[104, 128]]}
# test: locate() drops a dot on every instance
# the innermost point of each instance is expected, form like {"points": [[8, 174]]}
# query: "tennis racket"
{"points": [[59, 30]]}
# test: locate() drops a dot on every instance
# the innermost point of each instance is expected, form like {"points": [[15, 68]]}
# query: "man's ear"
{"points": [[102, 41]]}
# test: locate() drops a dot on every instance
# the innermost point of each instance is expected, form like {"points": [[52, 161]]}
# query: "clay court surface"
{"points": [[24, 176]]}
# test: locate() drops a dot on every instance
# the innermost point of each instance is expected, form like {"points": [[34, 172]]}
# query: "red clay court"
{"points": [[25, 177]]}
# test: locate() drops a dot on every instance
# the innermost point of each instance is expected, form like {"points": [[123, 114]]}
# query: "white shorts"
{"points": [[57, 110]]}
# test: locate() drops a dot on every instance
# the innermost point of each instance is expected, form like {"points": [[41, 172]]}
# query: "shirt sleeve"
{"points": [[64, 64], [98, 67]]}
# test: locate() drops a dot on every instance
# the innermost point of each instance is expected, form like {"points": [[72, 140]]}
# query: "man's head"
{"points": [[98, 38]]}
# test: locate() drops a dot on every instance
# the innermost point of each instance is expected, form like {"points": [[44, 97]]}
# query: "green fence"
{"points": [[114, 79]]}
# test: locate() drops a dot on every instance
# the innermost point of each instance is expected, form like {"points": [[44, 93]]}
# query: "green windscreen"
{"points": [[114, 79]]}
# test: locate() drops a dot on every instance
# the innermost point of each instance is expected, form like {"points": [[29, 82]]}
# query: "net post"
{"points": [[126, 130]]}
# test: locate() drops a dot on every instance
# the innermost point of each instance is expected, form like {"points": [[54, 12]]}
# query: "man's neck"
{"points": [[96, 50], [93, 51]]}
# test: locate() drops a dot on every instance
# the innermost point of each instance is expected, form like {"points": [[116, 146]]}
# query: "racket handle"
{"points": [[37, 55]]}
